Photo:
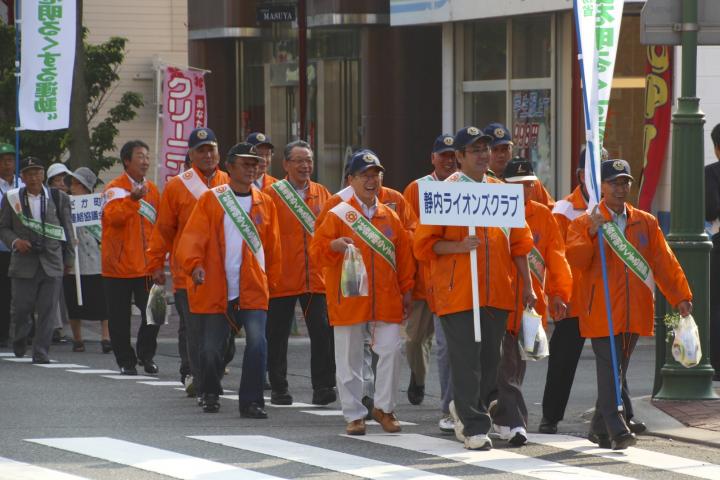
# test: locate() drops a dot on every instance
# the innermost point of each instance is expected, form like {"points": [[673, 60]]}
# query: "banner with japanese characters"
{"points": [[471, 204], [184, 109], [46, 63], [86, 210]]}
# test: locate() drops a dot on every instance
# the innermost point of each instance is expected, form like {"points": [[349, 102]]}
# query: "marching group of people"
{"points": [[245, 248]]}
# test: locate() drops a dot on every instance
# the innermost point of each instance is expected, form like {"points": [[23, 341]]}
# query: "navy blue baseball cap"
{"points": [[362, 160], [259, 138], [499, 133], [201, 136], [469, 135], [444, 143], [612, 169]]}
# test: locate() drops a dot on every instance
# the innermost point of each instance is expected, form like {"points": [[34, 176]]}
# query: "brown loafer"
{"points": [[356, 427], [387, 421]]}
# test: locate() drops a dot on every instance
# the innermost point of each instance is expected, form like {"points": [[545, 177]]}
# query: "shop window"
{"points": [[486, 47], [483, 108], [531, 47], [532, 129]]}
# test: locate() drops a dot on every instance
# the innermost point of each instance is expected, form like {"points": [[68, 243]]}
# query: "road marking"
{"points": [[6, 354], [96, 370], [496, 459], [320, 457], [19, 360], [60, 365], [164, 462], [633, 455], [338, 413], [128, 377], [160, 383], [12, 470], [268, 404]]}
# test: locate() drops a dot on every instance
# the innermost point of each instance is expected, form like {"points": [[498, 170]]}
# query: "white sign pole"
{"points": [[475, 288], [78, 285]]}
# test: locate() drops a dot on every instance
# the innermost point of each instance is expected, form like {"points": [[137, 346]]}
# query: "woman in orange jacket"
{"points": [[648, 261], [377, 233], [230, 248]]}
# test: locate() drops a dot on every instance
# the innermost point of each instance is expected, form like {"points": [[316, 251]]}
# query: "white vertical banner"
{"points": [[598, 28], [46, 65]]}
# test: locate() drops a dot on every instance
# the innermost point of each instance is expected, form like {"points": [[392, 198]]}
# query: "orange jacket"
{"points": [[267, 181], [558, 279], [203, 244], [541, 195], [176, 205], [301, 274], [565, 211], [450, 274], [126, 233], [385, 285], [632, 302], [422, 290]]}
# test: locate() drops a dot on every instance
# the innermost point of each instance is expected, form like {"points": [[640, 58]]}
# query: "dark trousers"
{"points": [[511, 409], [185, 341], [118, 294], [474, 366], [5, 296], [715, 304], [211, 332], [322, 356], [607, 419], [566, 345]]}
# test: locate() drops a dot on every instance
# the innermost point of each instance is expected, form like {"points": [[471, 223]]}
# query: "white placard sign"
{"points": [[86, 209], [471, 204]]}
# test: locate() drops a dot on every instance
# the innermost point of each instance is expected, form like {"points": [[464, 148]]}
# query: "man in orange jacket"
{"points": [[264, 148], [383, 243], [130, 211], [637, 258], [230, 248], [551, 277], [474, 365], [298, 201], [422, 322], [176, 204]]}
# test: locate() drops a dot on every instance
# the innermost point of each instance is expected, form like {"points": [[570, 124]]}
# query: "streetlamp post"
{"points": [[687, 236]]}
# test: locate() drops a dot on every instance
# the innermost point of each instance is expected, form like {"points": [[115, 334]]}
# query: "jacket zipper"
{"points": [[592, 296], [307, 264], [487, 266], [372, 269], [452, 275]]}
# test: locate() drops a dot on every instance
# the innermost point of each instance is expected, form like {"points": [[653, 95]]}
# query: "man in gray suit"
{"points": [[35, 224]]}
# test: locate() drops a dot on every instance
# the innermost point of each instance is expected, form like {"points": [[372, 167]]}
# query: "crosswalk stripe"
{"points": [[93, 370], [633, 455], [268, 404], [160, 383], [6, 354], [12, 470], [19, 360], [320, 457], [128, 377], [496, 459], [151, 459], [60, 365]]}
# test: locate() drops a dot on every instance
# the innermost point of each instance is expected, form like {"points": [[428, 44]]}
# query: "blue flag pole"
{"points": [[17, 22], [596, 189]]}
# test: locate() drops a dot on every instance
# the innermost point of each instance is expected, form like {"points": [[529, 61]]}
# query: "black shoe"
{"points": [[58, 337], [623, 441], [106, 346], [602, 440], [40, 361], [369, 404], [211, 403], [19, 348], [149, 367], [281, 397], [324, 396], [128, 370], [637, 427], [253, 410], [546, 426], [415, 393]]}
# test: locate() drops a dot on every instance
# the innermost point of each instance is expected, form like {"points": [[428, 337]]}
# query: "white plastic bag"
{"points": [[686, 344], [532, 340], [354, 280], [157, 310]]}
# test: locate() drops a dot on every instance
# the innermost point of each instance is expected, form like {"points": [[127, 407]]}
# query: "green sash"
{"points": [[537, 265], [296, 204], [95, 231], [147, 211], [49, 230], [367, 232], [242, 221], [628, 254]]}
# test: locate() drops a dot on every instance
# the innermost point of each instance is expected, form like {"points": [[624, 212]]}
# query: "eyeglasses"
{"points": [[478, 150], [301, 161]]}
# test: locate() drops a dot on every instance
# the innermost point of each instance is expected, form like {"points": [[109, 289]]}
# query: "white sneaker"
{"points": [[518, 437], [458, 427], [478, 442], [446, 424], [503, 432]]}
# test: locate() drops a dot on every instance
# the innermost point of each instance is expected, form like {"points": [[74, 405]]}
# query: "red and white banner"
{"points": [[184, 109], [658, 114]]}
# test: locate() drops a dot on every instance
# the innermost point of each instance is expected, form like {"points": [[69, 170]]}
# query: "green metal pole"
{"points": [[687, 237]]}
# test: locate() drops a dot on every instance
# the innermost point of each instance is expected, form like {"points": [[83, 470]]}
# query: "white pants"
{"points": [[349, 347]]}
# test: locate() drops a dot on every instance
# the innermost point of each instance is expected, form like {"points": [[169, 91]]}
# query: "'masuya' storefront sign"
{"points": [[411, 12]]}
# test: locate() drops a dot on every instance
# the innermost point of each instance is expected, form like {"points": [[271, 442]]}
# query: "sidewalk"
{"points": [[694, 421]]}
